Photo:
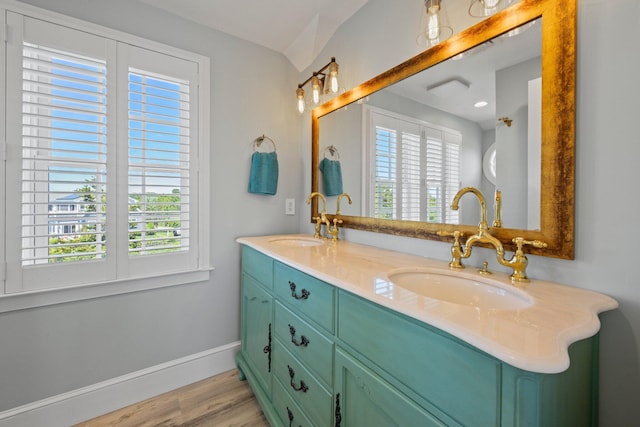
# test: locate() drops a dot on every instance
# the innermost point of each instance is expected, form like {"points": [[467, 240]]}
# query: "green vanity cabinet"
{"points": [[316, 355]]}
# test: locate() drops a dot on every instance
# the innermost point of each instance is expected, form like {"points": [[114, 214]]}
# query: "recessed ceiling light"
{"points": [[481, 104]]}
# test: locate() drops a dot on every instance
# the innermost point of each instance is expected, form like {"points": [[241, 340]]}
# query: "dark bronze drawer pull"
{"points": [[290, 415], [302, 387], [304, 341], [304, 293]]}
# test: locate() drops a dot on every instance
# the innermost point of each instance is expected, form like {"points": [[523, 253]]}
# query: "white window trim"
{"points": [[38, 298]]}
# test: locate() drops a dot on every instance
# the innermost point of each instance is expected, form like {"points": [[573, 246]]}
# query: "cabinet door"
{"points": [[257, 309], [364, 399]]}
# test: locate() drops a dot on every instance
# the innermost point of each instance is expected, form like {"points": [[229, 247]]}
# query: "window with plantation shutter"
{"points": [[64, 156], [103, 159], [414, 168], [159, 169]]}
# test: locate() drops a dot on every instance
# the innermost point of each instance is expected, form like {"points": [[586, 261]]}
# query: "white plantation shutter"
{"points": [[102, 170], [58, 157], [64, 157], [158, 105], [443, 174], [385, 173], [420, 173], [411, 175], [158, 163], [452, 177]]}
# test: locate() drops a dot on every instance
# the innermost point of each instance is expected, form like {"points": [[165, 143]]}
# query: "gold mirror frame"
{"points": [[558, 125]]}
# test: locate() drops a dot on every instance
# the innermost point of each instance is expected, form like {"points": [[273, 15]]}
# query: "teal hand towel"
{"points": [[263, 178], [332, 176]]}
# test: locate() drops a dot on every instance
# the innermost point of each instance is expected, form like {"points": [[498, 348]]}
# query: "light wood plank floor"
{"points": [[221, 401]]}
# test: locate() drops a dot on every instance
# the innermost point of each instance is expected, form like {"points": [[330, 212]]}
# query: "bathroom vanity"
{"points": [[333, 334]]}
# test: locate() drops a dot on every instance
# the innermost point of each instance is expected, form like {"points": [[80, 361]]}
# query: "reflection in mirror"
{"points": [[521, 63], [408, 148]]}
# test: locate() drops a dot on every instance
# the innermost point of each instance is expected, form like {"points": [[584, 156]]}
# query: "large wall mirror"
{"points": [[410, 137]]}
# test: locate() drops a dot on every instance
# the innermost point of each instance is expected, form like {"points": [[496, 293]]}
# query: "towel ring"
{"points": [[258, 142], [333, 151]]}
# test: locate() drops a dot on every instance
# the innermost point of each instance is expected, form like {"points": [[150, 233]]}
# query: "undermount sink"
{"points": [[297, 241], [447, 286]]}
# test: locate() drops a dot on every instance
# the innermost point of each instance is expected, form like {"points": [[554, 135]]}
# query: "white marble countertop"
{"points": [[535, 338]]}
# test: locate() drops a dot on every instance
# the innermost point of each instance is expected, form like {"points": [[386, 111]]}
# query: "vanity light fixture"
{"points": [[435, 27], [323, 81]]}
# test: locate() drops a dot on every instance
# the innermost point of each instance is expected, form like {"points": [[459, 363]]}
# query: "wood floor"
{"points": [[220, 401]]}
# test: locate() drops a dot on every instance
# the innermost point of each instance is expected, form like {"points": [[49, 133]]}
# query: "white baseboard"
{"points": [[88, 402]]}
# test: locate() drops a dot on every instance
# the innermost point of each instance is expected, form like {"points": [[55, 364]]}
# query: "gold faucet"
{"points": [[518, 261], [483, 235], [322, 218], [338, 203], [333, 231]]}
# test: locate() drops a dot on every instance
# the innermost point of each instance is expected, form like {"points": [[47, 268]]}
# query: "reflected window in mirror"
{"points": [[413, 168]]}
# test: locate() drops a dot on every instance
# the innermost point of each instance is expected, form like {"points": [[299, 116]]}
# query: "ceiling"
{"points": [[299, 29]]}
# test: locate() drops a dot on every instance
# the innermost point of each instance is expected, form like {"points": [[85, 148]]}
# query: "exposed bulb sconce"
{"points": [[485, 8], [323, 81], [435, 27], [506, 120]]}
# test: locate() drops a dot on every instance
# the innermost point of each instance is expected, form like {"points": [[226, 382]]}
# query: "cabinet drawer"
{"points": [[454, 378], [305, 294], [302, 386], [287, 409], [305, 342], [259, 265]]}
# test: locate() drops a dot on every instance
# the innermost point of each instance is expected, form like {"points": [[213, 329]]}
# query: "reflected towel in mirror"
{"points": [[263, 177], [332, 176]]}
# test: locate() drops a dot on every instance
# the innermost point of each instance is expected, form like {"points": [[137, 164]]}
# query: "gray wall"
{"points": [[47, 351], [383, 34]]}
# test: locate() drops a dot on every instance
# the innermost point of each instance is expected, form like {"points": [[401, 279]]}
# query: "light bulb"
{"points": [[333, 76], [433, 22], [300, 99], [316, 89]]}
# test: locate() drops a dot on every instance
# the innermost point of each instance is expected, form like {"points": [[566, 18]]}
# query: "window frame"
{"points": [[200, 271]]}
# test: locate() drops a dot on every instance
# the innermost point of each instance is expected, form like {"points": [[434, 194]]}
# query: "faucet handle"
{"points": [[456, 249], [521, 241], [456, 233]]}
